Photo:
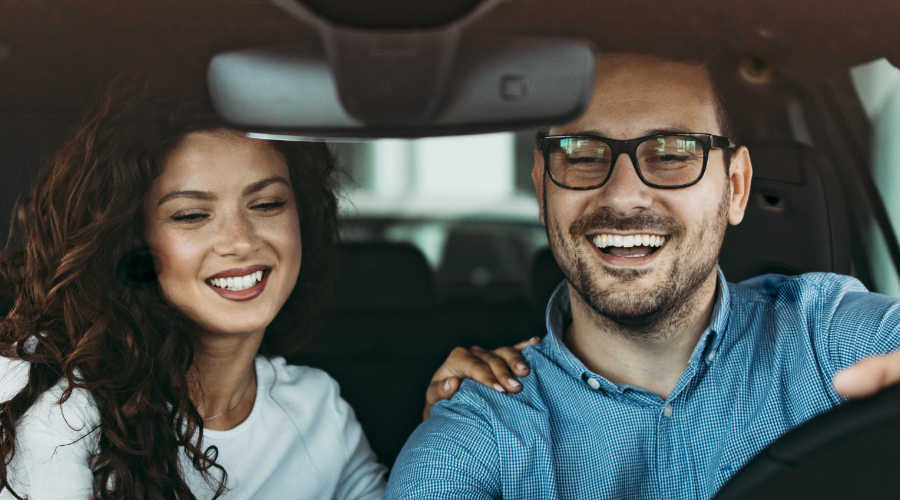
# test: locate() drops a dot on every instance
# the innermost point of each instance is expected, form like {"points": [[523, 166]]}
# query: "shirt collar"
{"points": [[559, 310]]}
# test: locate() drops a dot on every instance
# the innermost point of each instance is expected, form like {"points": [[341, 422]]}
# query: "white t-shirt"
{"points": [[301, 440]]}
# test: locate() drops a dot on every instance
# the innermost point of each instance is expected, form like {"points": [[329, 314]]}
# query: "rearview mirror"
{"points": [[382, 91]]}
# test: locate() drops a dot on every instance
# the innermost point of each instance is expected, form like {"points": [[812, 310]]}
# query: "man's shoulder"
{"points": [[809, 288], [478, 400], [824, 304]]}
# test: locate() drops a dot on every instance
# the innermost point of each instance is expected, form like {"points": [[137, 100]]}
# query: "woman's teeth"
{"points": [[238, 283], [637, 240]]}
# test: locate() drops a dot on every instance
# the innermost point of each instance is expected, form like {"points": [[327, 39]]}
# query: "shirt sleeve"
{"points": [[362, 477], [53, 448], [452, 455], [861, 324]]}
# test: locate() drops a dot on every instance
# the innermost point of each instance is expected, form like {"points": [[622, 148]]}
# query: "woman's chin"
{"points": [[220, 326]]}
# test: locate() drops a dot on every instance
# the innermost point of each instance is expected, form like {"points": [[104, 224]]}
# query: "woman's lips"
{"points": [[232, 273], [245, 294]]}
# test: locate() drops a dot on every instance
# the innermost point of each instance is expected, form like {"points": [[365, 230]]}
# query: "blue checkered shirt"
{"points": [[763, 366]]}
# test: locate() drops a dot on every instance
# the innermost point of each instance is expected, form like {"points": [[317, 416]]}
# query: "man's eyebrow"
{"points": [[257, 186], [655, 131], [195, 195]]}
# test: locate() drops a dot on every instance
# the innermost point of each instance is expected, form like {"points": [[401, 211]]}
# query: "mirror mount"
{"points": [[366, 66], [401, 83]]}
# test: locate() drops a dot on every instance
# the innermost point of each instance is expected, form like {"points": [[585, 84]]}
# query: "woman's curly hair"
{"points": [[88, 313]]}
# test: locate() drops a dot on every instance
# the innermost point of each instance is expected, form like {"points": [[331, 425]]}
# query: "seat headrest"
{"points": [[482, 262], [382, 276]]}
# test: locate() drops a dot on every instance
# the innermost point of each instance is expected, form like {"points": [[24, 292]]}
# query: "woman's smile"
{"points": [[240, 284]]}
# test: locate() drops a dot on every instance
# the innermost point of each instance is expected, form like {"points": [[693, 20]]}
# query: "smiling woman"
{"points": [[169, 265]]}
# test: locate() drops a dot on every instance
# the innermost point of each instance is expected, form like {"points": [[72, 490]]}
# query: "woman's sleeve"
{"points": [[362, 477], [53, 448]]}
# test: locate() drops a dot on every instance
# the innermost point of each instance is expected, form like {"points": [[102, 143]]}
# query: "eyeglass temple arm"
{"points": [[722, 142]]}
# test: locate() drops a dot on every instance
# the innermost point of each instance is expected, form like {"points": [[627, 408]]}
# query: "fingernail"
{"points": [[499, 388], [515, 383], [521, 366], [447, 385]]}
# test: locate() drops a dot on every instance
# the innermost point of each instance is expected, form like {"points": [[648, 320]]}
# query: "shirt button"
{"points": [[593, 383], [667, 411], [711, 356]]}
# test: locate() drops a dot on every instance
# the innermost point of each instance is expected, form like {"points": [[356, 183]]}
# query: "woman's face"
{"points": [[223, 228]]}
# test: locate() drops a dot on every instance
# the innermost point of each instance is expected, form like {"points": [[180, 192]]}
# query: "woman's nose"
{"points": [[237, 237]]}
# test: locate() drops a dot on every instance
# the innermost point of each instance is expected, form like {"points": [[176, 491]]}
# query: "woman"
{"points": [[159, 285]]}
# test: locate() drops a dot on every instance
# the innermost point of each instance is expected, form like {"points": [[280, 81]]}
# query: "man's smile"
{"points": [[627, 250]]}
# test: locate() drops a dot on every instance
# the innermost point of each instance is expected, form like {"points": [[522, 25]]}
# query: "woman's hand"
{"points": [[488, 368]]}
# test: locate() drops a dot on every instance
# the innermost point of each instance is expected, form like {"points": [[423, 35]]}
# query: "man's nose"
{"points": [[237, 237], [625, 193]]}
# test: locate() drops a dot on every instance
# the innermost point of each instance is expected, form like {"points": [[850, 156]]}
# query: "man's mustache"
{"points": [[642, 221]]}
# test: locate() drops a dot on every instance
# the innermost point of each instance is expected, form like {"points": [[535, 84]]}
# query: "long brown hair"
{"points": [[87, 309]]}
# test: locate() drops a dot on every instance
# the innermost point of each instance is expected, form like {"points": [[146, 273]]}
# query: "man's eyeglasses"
{"points": [[666, 161]]}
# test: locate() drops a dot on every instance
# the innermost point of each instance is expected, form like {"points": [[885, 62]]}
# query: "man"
{"points": [[657, 378]]}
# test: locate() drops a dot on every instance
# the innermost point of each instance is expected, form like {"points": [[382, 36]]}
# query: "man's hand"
{"points": [[868, 376], [488, 368]]}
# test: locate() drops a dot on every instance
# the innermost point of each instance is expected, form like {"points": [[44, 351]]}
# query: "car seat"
{"points": [[379, 341], [386, 336]]}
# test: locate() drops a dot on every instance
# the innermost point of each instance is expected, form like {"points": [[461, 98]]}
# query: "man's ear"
{"points": [[537, 175], [740, 175]]}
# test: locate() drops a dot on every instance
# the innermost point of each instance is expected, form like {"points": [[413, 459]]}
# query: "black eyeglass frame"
{"points": [[629, 146]]}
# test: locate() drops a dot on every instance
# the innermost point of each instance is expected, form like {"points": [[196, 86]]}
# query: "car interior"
{"points": [[416, 281]]}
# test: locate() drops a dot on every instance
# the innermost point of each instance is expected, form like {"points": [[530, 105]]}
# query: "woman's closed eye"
{"points": [[268, 206], [189, 217]]}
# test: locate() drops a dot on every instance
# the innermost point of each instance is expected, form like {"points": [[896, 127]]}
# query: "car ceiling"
{"points": [[55, 53]]}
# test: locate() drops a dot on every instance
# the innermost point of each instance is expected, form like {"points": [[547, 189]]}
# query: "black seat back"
{"points": [[383, 277], [795, 222], [385, 337], [796, 218], [381, 341]]}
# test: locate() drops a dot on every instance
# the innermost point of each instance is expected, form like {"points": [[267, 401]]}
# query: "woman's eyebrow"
{"points": [[207, 196], [256, 186], [196, 195]]}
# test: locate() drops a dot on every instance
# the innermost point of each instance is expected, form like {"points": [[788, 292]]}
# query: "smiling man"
{"points": [[657, 378]]}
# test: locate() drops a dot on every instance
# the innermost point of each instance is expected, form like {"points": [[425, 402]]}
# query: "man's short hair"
{"points": [[723, 114]]}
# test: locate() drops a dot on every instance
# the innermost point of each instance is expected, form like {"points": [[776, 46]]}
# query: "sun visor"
{"points": [[402, 87]]}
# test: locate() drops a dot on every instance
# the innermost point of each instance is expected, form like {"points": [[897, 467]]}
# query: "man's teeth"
{"points": [[637, 240], [238, 283]]}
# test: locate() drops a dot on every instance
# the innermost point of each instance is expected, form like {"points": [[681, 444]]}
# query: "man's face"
{"points": [[645, 285]]}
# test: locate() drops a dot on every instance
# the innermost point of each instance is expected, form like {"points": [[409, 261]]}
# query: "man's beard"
{"points": [[645, 314]]}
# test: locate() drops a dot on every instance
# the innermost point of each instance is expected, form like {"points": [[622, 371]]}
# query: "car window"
{"points": [[467, 202], [878, 86]]}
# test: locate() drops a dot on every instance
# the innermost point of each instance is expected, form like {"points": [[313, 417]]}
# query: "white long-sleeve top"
{"points": [[301, 441]]}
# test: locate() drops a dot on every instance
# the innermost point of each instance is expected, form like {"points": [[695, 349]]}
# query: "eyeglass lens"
{"points": [[664, 161]]}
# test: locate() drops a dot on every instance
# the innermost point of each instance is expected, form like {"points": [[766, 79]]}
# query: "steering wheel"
{"points": [[852, 451]]}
